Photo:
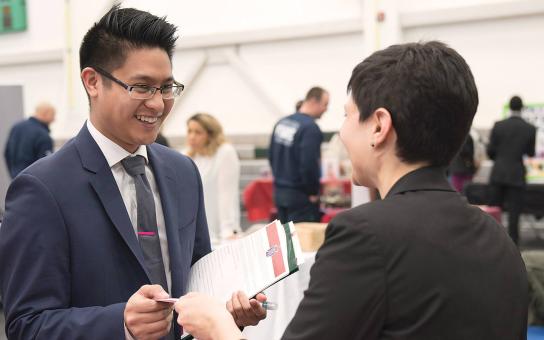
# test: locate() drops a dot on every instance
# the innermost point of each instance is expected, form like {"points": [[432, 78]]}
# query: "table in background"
{"points": [[258, 197], [533, 203]]}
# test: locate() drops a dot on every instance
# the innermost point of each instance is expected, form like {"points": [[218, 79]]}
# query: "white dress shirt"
{"points": [[114, 154]]}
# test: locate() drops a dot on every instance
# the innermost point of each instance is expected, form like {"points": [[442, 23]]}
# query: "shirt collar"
{"points": [[426, 178], [113, 152]]}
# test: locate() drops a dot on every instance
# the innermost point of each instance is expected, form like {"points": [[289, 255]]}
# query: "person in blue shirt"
{"points": [[29, 140], [295, 158]]}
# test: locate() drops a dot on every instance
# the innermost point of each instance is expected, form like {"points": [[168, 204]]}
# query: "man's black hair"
{"points": [[119, 31], [430, 92], [516, 104]]}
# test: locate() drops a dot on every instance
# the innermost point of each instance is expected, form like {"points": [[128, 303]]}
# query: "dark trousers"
{"points": [[294, 205], [306, 213], [510, 198]]}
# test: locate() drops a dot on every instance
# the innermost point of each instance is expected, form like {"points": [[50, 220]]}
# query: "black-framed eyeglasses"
{"points": [[170, 91]]}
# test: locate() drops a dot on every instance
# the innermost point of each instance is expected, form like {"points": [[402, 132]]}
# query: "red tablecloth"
{"points": [[258, 199]]}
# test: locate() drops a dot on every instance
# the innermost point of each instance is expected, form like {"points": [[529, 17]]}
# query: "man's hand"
{"points": [[246, 312], [146, 318]]}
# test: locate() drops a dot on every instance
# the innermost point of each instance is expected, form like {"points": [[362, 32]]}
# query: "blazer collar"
{"points": [[111, 151], [426, 178], [92, 158], [105, 186], [102, 181]]}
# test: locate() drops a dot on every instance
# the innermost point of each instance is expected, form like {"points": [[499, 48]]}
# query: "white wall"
{"points": [[285, 70], [45, 23], [248, 61], [33, 58], [214, 16], [44, 59], [40, 82], [419, 5], [506, 57]]}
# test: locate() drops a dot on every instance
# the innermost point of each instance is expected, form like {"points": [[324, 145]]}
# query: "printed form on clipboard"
{"points": [[250, 264]]}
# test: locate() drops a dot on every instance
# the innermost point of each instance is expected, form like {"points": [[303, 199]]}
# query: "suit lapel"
{"points": [[165, 177], [103, 183]]}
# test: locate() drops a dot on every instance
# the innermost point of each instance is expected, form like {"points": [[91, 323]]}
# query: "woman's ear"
{"points": [[90, 81], [383, 126]]}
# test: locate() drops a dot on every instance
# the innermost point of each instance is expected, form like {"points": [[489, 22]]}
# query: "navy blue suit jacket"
{"points": [[69, 257]]}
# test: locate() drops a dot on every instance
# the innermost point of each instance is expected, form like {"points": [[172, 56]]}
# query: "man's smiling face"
{"points": [[127, 121]]}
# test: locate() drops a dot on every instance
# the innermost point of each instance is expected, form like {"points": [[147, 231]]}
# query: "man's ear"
{"points": [[383, 126], [90, 80]]}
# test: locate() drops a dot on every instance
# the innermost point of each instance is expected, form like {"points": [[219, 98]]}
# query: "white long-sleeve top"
{"points": [[220, 180]]}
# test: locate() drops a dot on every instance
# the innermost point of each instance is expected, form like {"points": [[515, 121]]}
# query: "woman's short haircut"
{"points": [[121, 30], [214, 130], [430, 92]]}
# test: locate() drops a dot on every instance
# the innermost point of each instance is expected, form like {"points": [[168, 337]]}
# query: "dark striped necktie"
{"points": [[148, 234]]}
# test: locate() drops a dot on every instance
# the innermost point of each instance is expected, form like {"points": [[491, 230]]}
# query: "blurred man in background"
{"points": [[510, 139], [295, 158], [29, 140]]}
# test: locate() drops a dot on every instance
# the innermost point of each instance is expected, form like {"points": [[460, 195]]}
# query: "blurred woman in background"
{"points": [[219, 167]]}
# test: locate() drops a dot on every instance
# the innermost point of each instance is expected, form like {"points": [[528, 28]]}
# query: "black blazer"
{"points": [[420, 264], [510, 139]]}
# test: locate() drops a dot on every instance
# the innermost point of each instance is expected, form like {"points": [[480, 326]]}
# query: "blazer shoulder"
{"points": [[172, 157], [382, 218], [165, 151], [365, 216]]}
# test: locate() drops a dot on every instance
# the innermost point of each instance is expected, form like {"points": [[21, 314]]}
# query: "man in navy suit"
{"points": [[72, 261]]}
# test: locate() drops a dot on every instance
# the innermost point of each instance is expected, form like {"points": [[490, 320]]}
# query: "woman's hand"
{"points": [[246, 312], [206, 318]]}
